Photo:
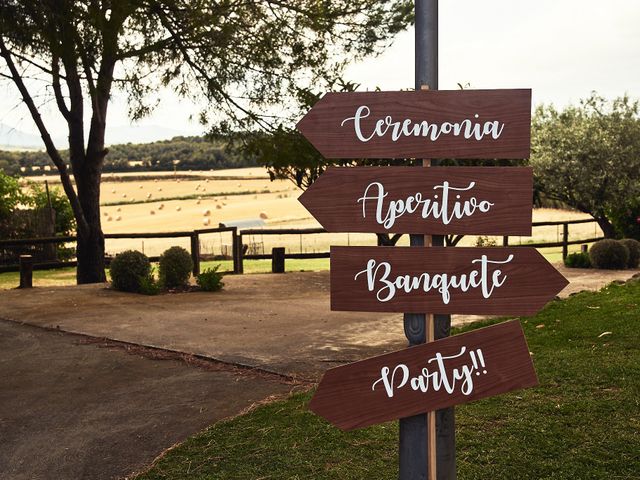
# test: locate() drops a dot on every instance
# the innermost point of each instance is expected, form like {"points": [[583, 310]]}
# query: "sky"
{"points": [[562, 49]]}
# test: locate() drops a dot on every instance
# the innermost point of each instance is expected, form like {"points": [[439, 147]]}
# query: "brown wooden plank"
{"points": [[488, 362], [521, 285], [361, 124], [436, 200]]}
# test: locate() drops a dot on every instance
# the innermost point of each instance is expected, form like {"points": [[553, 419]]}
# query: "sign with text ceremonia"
{"points": [[438, 200], [440, 374], [421, 124]]}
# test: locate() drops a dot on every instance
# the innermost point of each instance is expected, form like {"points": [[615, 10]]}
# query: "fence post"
{"points": [[565, 239], [238, 262], [584, 248], [195, 252], [26, 271], [505, 241], [277, 260]]}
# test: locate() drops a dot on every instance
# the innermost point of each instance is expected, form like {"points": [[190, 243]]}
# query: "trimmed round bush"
{"points": [[175, 267], [577, 260], [609, 254], [634, 251], [128, 270]]}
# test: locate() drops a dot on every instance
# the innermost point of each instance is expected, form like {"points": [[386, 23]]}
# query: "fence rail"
{"points": [[239, 249]]}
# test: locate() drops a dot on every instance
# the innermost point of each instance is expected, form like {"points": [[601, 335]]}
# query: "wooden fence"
{"points": [[239, 248]]}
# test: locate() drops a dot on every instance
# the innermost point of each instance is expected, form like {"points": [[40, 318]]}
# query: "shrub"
{"points": [[210, 280], [609, 254], [577, 260], [149, 286], [634, 251], [175, 267], [484, 241], [128, 270]]}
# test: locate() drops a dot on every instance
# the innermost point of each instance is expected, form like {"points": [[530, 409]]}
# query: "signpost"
{"points": [[427, 377], [438, 200], [467, 280], [428, 203], [421, 123]]}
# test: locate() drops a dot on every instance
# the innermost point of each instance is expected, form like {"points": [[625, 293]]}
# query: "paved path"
{"points": [[72, 410]]}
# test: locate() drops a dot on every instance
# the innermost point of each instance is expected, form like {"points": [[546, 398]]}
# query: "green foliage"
{"points": [[149, 286], [175, 267], [484, 241], [633, 246], [588, 156], [65, 221], [578, 260], [210, 280], [625, 218], [179, 153], [129, 270], [10, 195], [609, 254]]}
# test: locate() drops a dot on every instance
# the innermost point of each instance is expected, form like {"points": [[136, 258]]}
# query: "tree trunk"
{"points": [[606, 227], [90, 248]]}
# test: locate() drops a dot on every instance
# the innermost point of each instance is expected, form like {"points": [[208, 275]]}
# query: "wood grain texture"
{"points": [[528, 280], [323, 124], [345, 396], [333, 199]]}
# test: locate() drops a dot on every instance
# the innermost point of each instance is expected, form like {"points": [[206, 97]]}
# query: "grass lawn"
{"points": [[582, 422]]}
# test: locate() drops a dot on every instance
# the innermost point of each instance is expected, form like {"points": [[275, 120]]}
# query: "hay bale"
{"points": [[178, 209], [198, 202], [140, 187], [108, 219], [206, 213], [118, 218], [119, 209], [124, 195], [148, 195], [152, 212], [113, 191], [206, 221], [263, 216], [218, 206], [159, 189], [161, 206]]}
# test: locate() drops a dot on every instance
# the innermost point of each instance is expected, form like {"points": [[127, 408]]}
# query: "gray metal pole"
{"points": [[413, 430]]}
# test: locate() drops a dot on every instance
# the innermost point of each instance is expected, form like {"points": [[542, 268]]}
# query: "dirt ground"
{"points": [[279, 323], [71, 410]]}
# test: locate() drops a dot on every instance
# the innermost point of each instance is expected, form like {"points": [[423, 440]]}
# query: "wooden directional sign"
{"points": [[440, 374], [438, 200], [493, 281], [421, 124]]}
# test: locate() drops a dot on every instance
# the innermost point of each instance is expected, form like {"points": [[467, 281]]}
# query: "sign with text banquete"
{"points": [[439, 280]]}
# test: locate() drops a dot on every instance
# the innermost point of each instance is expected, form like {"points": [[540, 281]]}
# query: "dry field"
{"points": [[163, 202]]}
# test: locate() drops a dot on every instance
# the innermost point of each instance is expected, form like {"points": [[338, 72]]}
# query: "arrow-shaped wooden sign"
{"points": [[427, 377], [480, 281], [438, 200], [421, 124]]}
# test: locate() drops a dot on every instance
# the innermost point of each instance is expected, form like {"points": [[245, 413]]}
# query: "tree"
{"points": [[588, 156], [240, 59]]}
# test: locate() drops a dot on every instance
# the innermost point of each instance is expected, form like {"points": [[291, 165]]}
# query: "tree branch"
{"points": [[57, 90], [52, 151]]}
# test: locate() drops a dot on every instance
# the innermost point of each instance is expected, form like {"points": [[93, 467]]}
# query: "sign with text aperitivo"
{"points": [[465, 280], [459, 369], [438, 200], [421, 124]]}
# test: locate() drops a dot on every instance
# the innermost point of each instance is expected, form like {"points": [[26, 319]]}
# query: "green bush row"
{"points": [[131, 272], [608, 254]]}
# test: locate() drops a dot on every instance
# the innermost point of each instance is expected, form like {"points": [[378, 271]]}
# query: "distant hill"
{"points": [[179, 153], [11, 138]]}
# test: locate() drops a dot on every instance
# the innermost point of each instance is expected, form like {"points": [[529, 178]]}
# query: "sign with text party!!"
{"points": [[438, 200], [440, 374], [465, 280], [421, 124]]}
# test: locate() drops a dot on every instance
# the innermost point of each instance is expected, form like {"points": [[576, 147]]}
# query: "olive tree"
{"points": [[588, 156], [243, 61]]}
